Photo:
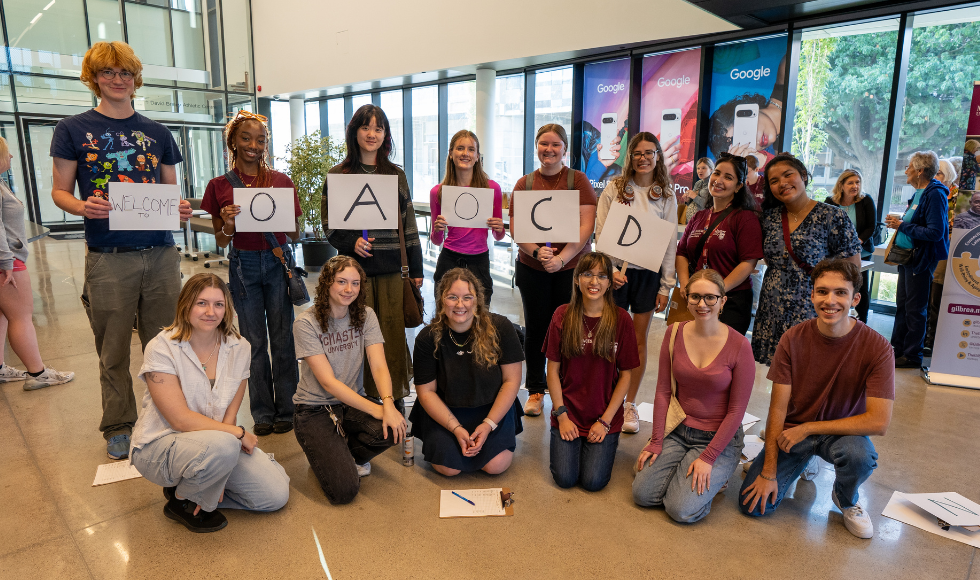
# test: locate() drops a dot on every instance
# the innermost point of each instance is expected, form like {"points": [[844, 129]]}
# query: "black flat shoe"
{"points": [[262, 429], [904, 363], [169, 492], [282, 426], [182, 511]]}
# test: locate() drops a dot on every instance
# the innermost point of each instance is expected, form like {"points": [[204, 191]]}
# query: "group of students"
{"points": [[346, 398]]}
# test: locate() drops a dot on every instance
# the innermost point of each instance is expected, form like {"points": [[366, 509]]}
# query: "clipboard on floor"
{"points": [[476, 503]]}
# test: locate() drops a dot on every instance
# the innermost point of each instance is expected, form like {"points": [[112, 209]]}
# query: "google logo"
{"points": [[611, 88], [678, 82], [750, 74]]}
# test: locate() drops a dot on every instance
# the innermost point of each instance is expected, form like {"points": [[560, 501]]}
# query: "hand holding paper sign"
{"points": [[542, 216], [466, 207], [638, 237], [362, 202], [144, 206], [265, 209]]}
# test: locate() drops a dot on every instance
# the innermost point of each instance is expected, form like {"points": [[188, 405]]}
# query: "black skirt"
{"points": [[440, 447]]}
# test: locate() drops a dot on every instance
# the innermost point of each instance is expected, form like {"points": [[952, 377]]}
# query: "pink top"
{"points": [[714, 398], [465, 240]]}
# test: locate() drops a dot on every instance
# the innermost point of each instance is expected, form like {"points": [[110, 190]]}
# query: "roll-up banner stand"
{"points": [[604, 121], [956, 351]]}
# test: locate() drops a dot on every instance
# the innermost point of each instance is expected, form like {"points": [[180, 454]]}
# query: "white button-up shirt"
{"points": [[166, 355]]}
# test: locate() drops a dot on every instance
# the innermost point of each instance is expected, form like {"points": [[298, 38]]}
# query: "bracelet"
{"points": [[231, 235], [562, 262], [604, 424], [489, 421], [243, 433], [767, 478], [387, 397], [453, 430]]}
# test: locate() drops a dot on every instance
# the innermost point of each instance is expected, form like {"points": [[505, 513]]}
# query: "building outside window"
{"points": [[553, 103], [335, 119], [461, 109], [391, 104], [508, 126], [425, 141]]}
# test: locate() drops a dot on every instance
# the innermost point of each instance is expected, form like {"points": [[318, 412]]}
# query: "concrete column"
{"points": [[297, 118], [486, 90]]}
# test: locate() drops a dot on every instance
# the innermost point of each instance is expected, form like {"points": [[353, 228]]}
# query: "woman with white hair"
{"points": [[860, 208], [946, 176], [923, 232]]}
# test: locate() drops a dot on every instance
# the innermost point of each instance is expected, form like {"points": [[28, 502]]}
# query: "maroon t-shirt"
{"points": [[588, 381], [807, 360], [220, 193], [757, 191], [736, 239]]}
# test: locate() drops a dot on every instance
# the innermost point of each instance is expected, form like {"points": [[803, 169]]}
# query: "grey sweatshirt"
{"points": [[14, 243]]}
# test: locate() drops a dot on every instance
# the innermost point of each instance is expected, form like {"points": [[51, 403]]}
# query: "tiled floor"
{"points": [[56, 525]]}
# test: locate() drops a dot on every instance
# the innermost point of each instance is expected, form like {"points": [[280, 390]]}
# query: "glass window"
{"points": [[188, 44], [212, 29], [206, 157], [281, 137], [238, 102], [425, 141], [45, 37], [14, 177], [391, 104], [177, 105], [842, 97], [553, 103], [52, 95], [6, 101], [461, 108], [508, 128], [312, 117], [358, 101], [104, 20], [335, 119], [236, 18], [149, 35]]}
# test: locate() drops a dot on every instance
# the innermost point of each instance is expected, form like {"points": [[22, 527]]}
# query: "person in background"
{"points": [[117, 290], [969, 218], [465, 247], [698, 198], [369, 151], [645, 183], [860, 209], [970, 167], [713, 370], [256, 275], [16, 295], [187, 439], [591, 349], [946, 176], [924, 229], [544, 274], [753, 181]]}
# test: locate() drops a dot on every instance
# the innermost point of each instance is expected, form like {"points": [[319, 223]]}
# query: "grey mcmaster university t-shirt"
{"points": [[344, 347]]}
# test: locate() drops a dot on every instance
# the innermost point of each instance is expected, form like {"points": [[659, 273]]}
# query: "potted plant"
{"points": [[307, 161]]}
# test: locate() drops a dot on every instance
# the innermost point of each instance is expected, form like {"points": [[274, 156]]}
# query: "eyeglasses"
{"points": [[109, 74], [644, 155], [590, 275], [467, 299], [709, 299]]}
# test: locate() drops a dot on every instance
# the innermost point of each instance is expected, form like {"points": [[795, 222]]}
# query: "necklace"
{"points": [[204, 365], [364, 169], [796, 216], [458, 345], [244, 175], [557, 181], [587, 326]]}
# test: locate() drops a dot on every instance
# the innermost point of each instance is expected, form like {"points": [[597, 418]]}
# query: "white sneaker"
{"points": [[9, 374], [631, 419], [48, 378], [363, 470], [856, 520], [812, 469]]}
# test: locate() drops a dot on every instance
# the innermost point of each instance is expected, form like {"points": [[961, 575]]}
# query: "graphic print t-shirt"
{"points": [[344, 346], [112, 150]]}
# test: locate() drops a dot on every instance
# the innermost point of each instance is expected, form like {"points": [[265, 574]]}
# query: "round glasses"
{"points": [[109, 74], [709, 299]]}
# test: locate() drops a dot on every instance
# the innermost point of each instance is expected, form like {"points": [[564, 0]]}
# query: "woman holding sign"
{"points": [[725, 237], [544, 272], [465, 247], [369, 150], [256, 276], [644, 184]]}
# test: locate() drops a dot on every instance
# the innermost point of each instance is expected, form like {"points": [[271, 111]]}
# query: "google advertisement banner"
{"points": [[669, 110], [956, 351], [747, 85], [604, 137]]}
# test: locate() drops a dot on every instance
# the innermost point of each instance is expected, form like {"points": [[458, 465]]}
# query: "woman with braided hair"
{"points": [[256, 276]]}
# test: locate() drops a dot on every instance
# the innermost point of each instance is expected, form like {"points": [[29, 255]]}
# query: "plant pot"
{"points": [[316, 253]]}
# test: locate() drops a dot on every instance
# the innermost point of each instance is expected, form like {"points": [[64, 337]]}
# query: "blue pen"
{"points": [[464, 499]]}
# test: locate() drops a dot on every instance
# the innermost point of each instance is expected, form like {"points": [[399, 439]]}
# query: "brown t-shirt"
{"points": [[586, 196], [807, 360]]}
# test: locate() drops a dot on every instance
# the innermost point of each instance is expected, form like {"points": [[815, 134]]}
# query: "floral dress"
{"points": [[826, 232]]}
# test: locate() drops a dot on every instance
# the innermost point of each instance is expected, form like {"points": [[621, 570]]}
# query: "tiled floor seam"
{"points": [[969, 568]]}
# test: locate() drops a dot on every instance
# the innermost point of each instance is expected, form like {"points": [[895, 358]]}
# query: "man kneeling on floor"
{"points": [[833, 386]]}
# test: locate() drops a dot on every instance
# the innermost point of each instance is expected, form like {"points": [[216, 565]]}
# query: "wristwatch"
{"points": [[559, 411], [534, 254]]}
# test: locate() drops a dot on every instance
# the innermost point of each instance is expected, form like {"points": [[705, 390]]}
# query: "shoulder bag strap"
{"points": [[807, 268], [401, 244], [673, 335], [704, 238], [571, 179], [529, 182]]}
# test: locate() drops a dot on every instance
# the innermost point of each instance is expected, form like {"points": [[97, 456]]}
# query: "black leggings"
{"points": [[541, 293], [479, 264]]}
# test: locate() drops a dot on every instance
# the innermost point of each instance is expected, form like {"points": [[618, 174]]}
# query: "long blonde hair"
{"points": [[486, 343], [838, 193], [181, 326], [572, 335], [480, 178]]}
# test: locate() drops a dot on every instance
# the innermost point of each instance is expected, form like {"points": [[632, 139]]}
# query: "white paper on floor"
{"points": [[899, 508], [113, 472], [645, 411], [748, 420], [753, 445]]}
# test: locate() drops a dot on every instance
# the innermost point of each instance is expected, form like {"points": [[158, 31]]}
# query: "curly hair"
{"points": [[770, 201], [181, 326], [486, 343], [264, 177], [661, 177], [321, 304], [104, 55], [572, 339]]}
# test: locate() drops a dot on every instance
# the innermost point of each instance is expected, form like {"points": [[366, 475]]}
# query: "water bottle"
{"points": [[408, 450]]}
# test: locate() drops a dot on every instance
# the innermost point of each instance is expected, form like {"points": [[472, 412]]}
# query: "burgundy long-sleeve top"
{"points": [[714, 398]]}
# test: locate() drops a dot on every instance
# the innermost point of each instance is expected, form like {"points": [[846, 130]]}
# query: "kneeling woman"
{"points": [[186, 439], [591, 350], [713, 369], [338, 428], [467, 373]]}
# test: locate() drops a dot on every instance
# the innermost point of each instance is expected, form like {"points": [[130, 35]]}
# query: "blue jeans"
{"points": [[666, 484], [265, 315], [853, 457], [912, 303], [588, 464]]}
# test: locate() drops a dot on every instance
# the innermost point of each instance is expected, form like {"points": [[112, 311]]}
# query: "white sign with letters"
{"points": [[144, 206], [466, 207], [637, 237], [269, 209], [542, 216], [362, 202]]}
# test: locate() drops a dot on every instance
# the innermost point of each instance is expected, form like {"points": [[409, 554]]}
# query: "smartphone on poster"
{"points": [[670, 126], [607, 134], [746, 125]]}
